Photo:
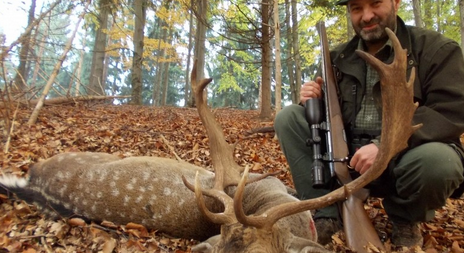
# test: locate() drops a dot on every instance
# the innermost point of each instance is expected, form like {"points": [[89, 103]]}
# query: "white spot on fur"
{"points": [[62, 191], [142, 189], [181, 202], [60, 175], [102, 174], [167, 191], [90, 175], [99, 194], [73, 154], [139, 199], [134, 180], [107, 212], [79, 160], [115, 192], [152, 199], [126, 200], [94, 208], [95, 156], [61, 158], [112, 184], [129, 187], [146, 175]]}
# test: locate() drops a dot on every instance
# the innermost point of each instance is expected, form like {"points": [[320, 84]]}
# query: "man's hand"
{"points": [[311, 89], [364, 158]]}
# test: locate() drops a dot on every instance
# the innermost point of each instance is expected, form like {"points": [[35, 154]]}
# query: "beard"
{"points": [[378, 33]]}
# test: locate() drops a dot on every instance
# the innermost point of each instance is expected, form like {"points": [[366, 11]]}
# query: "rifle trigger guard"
{"points": [[344, 159]]}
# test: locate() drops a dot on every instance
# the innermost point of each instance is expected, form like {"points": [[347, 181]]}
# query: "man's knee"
{"points": [[435, 165], [288, 116]]}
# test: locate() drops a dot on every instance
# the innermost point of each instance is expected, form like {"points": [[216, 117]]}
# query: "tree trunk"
{"points": [[79, 66], [39, 56], [159, 66], [188, 94], [416, 8], [20, 79], [166, 65], [137, 59], [54, 74], [296, 53], [461, 11], [200, 39], [438, 12], [289, 62], [278, 66], [427, 18], [96, 85], [266, 111]]}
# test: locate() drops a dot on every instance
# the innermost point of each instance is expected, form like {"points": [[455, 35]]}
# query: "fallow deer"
{"points": [[264, 231], [143, 190]]}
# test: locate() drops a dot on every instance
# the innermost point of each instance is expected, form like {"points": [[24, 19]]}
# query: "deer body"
{"points": [[143, 190]]}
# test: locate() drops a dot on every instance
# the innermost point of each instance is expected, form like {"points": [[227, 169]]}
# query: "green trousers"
{"points": [[412, 187]]}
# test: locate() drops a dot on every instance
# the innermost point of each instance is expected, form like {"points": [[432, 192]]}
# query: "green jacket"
{"points": [[438, 87]]}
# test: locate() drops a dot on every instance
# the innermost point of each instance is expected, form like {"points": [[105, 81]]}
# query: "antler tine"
{"points": [[226, 169], [227, 172], [227, 216], [398, 110]]}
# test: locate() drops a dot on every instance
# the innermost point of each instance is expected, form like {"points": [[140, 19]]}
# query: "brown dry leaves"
{"points": [[164, 132]]}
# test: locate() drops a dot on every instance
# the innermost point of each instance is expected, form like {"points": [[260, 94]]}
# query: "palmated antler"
{"points": [[227, 171], [397, 112]]}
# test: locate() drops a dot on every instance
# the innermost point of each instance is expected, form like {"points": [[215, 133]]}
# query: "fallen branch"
{"points": [[66, 100], [269, 129]]}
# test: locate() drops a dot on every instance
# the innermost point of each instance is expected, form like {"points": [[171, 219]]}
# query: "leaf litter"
{"points": [[164, 132]]}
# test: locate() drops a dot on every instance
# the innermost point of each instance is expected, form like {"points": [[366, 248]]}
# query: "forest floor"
{"points": [[136, 131]]}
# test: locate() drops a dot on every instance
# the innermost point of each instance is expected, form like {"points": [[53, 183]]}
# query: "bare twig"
{"points": [[10, 131], [170, 148]]}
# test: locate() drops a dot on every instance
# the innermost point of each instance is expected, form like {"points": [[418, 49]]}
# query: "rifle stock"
{"points": [[358, 228]]}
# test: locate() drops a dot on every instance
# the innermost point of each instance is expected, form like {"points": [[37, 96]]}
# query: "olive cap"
{"points": [[342, 2]]}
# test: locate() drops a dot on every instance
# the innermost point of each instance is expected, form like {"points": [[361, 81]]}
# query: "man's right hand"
{"points": [[311, 89]]}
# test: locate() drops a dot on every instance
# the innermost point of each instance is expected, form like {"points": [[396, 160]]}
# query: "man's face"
{"points": [[371, 17]]}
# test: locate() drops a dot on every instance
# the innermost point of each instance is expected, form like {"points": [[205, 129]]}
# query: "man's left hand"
{"points": [[364, 158]]}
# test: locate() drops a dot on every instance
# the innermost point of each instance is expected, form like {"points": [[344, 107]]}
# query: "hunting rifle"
{"points": [[358, 228]]}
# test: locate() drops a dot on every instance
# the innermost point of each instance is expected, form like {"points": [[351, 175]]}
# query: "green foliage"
{"points": [[233, 55]]}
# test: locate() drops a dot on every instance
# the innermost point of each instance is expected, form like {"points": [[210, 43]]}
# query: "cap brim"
{"points": [[342, 2]]}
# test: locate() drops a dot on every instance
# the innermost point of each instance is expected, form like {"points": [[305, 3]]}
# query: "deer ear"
{"points": [[208, 245], [302, 245]]}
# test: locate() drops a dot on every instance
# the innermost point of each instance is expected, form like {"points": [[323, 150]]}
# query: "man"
{"points": [[420, 179]]}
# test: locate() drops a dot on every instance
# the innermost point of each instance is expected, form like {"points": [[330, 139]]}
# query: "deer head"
{"points": [[262, 232]]}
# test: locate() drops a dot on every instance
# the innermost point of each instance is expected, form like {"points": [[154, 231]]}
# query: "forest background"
{"points": [[257, 52]]}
